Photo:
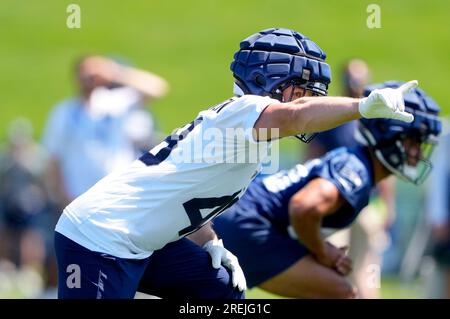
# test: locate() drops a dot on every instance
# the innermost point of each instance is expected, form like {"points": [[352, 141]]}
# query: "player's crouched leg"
{"points": [[183, 269], [85, 274]]}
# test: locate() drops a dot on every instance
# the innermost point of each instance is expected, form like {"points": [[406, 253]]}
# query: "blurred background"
{"points": [[186, 48]]}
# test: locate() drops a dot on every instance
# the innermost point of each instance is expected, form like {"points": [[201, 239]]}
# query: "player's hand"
{"points": [[220, 255], [387, 103], [330, 256], [336, 259], [344, 264]]}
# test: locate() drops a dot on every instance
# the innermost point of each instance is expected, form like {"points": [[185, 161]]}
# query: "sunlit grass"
{"points": [[391, 288]]}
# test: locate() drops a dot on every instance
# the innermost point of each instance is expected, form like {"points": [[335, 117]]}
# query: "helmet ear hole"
{"points": [[260, 80]]}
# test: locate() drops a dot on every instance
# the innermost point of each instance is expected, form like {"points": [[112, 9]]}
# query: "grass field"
{"points": [[191, 43], [391, 288]]}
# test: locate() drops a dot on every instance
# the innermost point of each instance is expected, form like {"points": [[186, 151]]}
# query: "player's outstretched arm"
{"points": [[307, 207], [315, 114]]}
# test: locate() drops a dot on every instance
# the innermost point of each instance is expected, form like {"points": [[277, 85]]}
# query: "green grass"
{"points": [[391, 288], [191, 43]]}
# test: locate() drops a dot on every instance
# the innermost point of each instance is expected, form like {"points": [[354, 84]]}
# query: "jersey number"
{"points": [[194, 206], [160, 152]]}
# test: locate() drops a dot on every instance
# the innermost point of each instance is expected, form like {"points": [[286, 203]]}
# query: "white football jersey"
{"points": [[175, 188]]}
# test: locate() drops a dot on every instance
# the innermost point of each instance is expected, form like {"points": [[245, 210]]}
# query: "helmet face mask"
{"points": [[403, 148], [408, 157], [296, 87]]}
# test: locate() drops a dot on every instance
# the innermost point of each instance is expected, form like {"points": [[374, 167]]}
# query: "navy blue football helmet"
{"points": [[273, 59], [390, 139]]}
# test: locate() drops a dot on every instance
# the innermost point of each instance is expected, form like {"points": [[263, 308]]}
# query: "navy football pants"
{"points": [[180, 269]]}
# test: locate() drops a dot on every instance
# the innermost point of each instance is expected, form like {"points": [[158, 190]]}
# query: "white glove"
{"points": [[387, 103], [220, 255]]}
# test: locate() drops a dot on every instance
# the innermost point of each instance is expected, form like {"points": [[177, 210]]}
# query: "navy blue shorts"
{"points": [[263, 249], [180, 269]]}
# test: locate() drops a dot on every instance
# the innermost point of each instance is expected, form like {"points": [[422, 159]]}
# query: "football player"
{"points": [[127, 232], [277, 229]]}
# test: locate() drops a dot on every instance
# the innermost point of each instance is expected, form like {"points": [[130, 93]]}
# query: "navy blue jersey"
{"points": [[257, 229], [349, 169]]}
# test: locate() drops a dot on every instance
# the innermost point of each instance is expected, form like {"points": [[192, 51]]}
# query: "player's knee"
{"points": [[339, 288], [345, 290], [224, 288]]}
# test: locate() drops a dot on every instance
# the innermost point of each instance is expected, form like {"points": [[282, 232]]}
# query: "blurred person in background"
{"points": [[24, 207], [367, 237], [105, 127], [438, 213]]}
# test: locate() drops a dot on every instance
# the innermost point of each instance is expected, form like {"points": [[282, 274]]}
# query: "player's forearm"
{"points": [[316, 114], [203, 235], [307, 228]]}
